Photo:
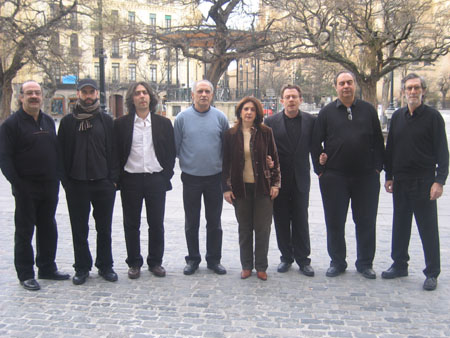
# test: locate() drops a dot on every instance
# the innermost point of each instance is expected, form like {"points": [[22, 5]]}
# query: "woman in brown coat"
{"points": [[251, 180]]}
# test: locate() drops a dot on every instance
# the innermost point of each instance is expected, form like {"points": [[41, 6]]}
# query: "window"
{"points": [[73, 21], [97, 71], [132, 72], [152, 73], [153, 50], [153, 21], [57, 70], [131, 18], [132, 49], [74, 44], [168, 22], [176, 110], [54, 43], [115, 49], [96, 46], [115, 15], [116, 72]]}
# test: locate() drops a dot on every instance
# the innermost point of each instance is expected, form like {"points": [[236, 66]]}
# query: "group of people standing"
{"points": [[259, 166]]}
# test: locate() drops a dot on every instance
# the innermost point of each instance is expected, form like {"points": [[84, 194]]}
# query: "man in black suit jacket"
{"points": [[145, 149], [292, 130]]}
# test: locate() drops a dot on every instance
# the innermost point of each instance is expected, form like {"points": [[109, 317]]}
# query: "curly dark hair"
{"points": [[259, 110], [130, 94]]}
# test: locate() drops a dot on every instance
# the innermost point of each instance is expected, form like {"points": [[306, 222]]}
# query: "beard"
{"points": [[88, 102]]}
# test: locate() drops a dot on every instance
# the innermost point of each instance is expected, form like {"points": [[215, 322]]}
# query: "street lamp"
{"points": [[391, 104], [246, 73], [101, 57]]}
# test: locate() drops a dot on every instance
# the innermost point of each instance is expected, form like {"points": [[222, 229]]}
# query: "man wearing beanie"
{"points": [[88, 175]]}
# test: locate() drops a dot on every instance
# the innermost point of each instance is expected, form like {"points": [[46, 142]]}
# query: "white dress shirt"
{"points": [[142, 158]]}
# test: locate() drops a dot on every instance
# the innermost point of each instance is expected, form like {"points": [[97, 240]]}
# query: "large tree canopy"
{"points": [[26, 27], [369, 37], [215, 38]]}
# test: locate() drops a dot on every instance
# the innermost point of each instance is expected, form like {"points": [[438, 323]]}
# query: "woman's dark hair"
{"points": [[259, 109], [130, 94]]}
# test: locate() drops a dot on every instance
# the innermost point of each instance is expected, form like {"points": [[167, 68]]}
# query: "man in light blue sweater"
{"points": [[198, 138]]}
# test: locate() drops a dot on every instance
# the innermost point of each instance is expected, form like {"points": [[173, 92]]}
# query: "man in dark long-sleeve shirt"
{"points": [[28, 158], [417, 161], [347, 153], [89, 174]]}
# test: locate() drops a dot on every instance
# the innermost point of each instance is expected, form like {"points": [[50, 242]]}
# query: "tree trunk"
{"points": [[6, 97], [369, 91], [216, 70]]}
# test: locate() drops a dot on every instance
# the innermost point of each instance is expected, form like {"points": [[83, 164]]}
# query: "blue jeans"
{"points": [[193, 189]]}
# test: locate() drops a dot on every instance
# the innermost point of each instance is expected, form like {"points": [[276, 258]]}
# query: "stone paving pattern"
{"points": [[208, 305]]}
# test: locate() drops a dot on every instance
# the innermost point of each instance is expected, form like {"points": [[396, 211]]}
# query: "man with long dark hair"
{"points": [[145, 149]]}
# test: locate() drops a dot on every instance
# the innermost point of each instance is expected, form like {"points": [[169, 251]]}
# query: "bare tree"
{"points": [[369, 37], [213, 38], [25, 29]]}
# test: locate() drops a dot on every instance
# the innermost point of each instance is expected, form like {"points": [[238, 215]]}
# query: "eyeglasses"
{"points": [[349, 112], [31, 92], [410, 88]]}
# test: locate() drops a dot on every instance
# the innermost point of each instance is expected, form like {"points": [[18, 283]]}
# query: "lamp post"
{"points": [[101, 57], [246, 73], [391, 103]]}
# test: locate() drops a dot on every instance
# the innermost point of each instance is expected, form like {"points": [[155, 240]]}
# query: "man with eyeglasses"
{"points": [[416, 167], [348, 148], [28, 159]]}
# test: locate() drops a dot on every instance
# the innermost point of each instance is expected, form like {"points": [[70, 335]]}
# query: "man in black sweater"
{"points": [[28, 159], [416, 170], [89, 174], [347, 151]]}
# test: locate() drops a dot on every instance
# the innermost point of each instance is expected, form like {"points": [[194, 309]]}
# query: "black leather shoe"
{"points": [[430, 284], [334, 271], [217, 268], [158, 271], [55, 275], [394, 273], [307, 270], [80, 277], [190, 267], [368, 273], [108, 275], [30, 284], [283, 267]]}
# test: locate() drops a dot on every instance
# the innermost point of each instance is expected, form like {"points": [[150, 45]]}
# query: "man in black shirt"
{"points": [[292, 130], [28, 159], [89, 174], [347, 153], [416, 170]]}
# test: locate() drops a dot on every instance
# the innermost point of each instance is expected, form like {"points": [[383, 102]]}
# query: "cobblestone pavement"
{"points": [[208, 305]]}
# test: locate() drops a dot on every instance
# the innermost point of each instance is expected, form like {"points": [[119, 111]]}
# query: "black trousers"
{"points": [[412, 197], [194, 187], [254, 214], [134, 189], [35, 206], [363, 191], [80, 196], [290, 214]]}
